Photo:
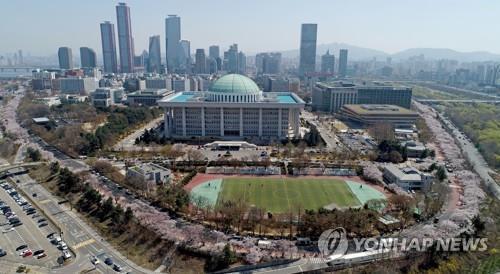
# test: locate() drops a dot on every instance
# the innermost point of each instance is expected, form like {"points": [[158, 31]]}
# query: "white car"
{"points": [[94, 260], [63, 246], [66, 254]]}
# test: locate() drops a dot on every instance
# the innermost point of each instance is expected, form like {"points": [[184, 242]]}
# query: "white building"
{"points": [[149, 172], [233, 108], [78, 85], [408, 178]]}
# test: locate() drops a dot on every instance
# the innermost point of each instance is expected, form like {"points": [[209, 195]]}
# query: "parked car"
{"points": [[108, 261], [66, 254], [42, 224], [94, 260], [41, 256], [21, 247], [26, 253], [38, 252], [117, 268]]}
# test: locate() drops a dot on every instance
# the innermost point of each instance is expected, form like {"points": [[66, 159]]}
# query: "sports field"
{"points": [[280, 195]]}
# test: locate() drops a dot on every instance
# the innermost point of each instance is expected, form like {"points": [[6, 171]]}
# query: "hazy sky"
{"points": [[40, 27]]}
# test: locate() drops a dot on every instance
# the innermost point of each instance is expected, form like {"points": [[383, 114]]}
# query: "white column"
{"points": [[202, 121], [279, 122], [166, 131], [241, 122], [296, 122], [221, 121], [183, 121], [260, 122]]}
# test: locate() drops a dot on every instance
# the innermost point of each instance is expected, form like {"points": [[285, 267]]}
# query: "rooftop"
{"points": [[267, 97], [379, 109], [235, 84]]}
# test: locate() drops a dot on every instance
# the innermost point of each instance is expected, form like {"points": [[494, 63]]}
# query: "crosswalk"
{"points": [[84, 243]]}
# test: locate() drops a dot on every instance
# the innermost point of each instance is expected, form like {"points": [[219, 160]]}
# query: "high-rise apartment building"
{"points": [[154, 58], [108, 41], [125, 40], [308, 38], [65, 58], [88, 58]]}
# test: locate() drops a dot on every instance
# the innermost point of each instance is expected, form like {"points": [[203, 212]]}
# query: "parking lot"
{"points": [[24, 231]]}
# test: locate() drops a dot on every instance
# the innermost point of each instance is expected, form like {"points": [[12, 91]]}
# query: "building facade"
{"points": [[307, 60], [148, 97], [268, 63], [200, 65], [108, 42], [330, 97], [233, 108], [372, 114], [65, 55], [172, 39], [408, 178], [88, 58], [343, 63], [78, 85], [125, 40], [328, 63]]}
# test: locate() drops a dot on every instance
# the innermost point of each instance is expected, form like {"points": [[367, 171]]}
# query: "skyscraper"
{"points": [[125, 40], [200, 61], [343, 63], [214, 51], [88, 58], [154, 61], [231, 59], [109, 47], [328, 62], [65, 58], [268, 62], [242, 63], [172, 39], [308, 37], [185, 55]]}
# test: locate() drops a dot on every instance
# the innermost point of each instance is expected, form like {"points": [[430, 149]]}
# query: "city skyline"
{"points": [[380, 18]]}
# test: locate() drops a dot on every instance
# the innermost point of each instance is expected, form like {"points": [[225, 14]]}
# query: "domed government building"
{"points": [[233, 108]]}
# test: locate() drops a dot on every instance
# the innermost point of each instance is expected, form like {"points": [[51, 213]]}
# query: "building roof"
{"points": [[404, 174], [379, 109], [235, 84]]}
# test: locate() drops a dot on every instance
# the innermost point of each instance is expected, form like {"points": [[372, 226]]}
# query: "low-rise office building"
{"points": [[372, 114], [78, 85], [148, 97], [105, 97], [408, 178], [331, 96]]}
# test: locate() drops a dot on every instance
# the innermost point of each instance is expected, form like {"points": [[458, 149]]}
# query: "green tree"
{"points": [[441, 173]]}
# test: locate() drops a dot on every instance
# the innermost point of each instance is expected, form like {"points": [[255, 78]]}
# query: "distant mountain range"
{"points": [[359, 53]]}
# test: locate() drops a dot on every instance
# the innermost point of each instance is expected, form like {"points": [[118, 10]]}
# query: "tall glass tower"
{"points": [[108, 41], [125, 40], [172, 38], [154, 62], [308, 37]]}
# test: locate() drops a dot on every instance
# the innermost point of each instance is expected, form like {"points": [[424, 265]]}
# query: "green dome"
{"points": [[235, 84]]}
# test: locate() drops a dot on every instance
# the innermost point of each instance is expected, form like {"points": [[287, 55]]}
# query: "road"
{"points": [[471, 101], [327, 135], [473, 156], [128, 143]]}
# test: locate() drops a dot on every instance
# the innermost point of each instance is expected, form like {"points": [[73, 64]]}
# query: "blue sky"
{"points": [[40, 27]]}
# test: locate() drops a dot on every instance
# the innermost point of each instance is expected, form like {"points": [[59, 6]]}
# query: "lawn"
{"points": [[282, 195]]}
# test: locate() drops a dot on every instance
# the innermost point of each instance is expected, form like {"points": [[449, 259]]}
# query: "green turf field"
{"points": [[280, 195]]}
